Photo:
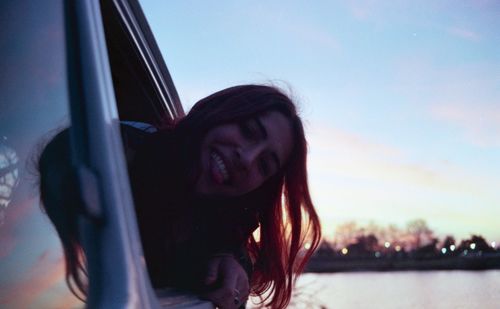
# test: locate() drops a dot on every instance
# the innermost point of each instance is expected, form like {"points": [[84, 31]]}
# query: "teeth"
{"points": [[220, 165]]}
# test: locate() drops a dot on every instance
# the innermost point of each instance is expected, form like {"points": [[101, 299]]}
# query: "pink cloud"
{"points": [[464, 34], [301, 29], [462, 96], [480, 123], [337, 141], [8, 242], [352, 155], [66, 301], [362, 10], [41, 279], [13, 214], [313, 34]]}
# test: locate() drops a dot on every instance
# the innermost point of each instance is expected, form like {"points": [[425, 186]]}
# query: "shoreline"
{"points": [[325, 264]]}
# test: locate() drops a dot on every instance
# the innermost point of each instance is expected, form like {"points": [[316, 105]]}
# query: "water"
{"points": [[429, 289]]}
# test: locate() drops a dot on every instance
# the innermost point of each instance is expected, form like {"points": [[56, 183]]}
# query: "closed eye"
{"points": [[246, 130], [252, 129]]}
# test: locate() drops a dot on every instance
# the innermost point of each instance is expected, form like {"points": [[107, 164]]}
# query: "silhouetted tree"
{"points": [[449, 246], [369, 242], [393, 233], [365, 245], [475, 243], [428, 250], [325, 249], [346, 234], [448, 242], [374, 229], [481, 243], [422, 235]]}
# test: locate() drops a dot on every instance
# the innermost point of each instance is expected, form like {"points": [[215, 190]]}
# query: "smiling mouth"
{"points": [[221, 175]]}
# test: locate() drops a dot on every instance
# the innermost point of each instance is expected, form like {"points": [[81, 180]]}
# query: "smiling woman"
{"points": [[240, 163]]}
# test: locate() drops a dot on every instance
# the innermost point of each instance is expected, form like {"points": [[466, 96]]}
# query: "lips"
{"points": [[219, 168]]}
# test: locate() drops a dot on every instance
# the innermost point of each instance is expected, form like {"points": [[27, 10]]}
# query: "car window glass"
{"points": [[137, 93], [33, 108]]}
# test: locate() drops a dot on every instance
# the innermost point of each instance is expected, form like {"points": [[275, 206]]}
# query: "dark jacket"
{"points": [[180, 231]]}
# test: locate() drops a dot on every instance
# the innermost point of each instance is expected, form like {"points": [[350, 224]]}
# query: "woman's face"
{"points": [[237, 158]]}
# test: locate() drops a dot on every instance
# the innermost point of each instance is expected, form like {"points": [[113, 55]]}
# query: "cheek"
{"points": [[255, 180]]}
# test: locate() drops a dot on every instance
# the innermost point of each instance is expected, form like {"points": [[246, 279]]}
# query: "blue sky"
{"points": [[401, 99]]}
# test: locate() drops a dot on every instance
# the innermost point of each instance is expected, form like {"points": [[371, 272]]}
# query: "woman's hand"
{"points": [[232, 286]]}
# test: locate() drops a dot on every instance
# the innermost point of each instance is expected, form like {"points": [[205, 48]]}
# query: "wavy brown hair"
{"points": [[287, 217]]}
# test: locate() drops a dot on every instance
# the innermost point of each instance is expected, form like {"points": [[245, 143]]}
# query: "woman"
{"points": [[239, 163]]}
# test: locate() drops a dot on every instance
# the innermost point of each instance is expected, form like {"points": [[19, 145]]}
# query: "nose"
{"points": [[248, 155]]}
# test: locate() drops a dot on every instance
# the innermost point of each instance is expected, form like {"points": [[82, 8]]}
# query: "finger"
{"points": [[225, 297], [243, 287], [229, 273], [212, 271], [234, 287], [222, 298], [212, 297]]}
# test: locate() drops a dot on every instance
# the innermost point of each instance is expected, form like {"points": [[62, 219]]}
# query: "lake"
{"points": [[410, 289]]}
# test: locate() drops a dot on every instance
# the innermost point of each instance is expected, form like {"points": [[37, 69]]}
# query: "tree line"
{"points": [[416, 239]]}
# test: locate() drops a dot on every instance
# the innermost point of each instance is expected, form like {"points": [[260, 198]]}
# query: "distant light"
{"points": [[387, 244], [473, 246], [398, 248], [465, 252], [377, 254], [307, 246], [452, 247], [443, 250], [344, 251], [493, 244]]}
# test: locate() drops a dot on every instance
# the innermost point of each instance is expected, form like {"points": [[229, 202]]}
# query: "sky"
{"points": [[400, 99]]}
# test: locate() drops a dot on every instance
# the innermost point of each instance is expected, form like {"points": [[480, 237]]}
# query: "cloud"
{"points": [[376, 11], [14, 214], [464, 34], [480, 123], [43, 278], [312, 34], [336, 141], [8, 242], [297, 27], [362, 10], [365, 162], [462, 96]]}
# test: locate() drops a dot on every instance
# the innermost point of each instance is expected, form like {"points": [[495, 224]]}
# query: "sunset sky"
{"points": [[401, 99]]}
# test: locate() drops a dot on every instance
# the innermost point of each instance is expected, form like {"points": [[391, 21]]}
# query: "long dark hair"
{"points": [[60, 201], [287, 217]]}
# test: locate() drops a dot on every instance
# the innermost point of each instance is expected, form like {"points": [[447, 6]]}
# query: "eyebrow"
{"points": [[261, 127], [263, 131]]}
